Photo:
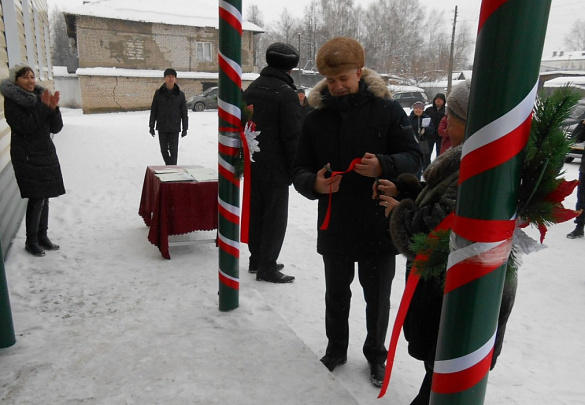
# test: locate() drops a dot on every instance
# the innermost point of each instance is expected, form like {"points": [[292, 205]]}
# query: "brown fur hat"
{"points": [[340, 54]]}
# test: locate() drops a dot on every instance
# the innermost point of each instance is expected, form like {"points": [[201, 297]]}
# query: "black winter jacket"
{"points": [[277, 114], [421, 214], [32, 151], [339, 130], [169, 110], [436, 115]]}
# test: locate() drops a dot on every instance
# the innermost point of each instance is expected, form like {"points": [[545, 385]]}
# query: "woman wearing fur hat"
{"points": [[422, 206], [33, 115], [354, 118]]}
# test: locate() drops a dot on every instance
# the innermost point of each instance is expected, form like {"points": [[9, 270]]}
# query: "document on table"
{"points": [[174, 176], [164, 171], [203, 174]]}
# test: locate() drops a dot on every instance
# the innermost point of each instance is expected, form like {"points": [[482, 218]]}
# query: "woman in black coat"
{"points": [[33, 115]]}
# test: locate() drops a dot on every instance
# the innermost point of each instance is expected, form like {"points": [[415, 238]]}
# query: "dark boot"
{"points": [[34, 210], [43, 239], [577, 233]]}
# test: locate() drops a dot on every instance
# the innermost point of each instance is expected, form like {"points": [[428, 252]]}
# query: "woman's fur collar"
{"points": [[445, 164], [19, 95], [372, 79]]}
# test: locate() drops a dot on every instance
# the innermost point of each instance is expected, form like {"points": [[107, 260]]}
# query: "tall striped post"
{"points": [[230, 97], [505, 76], [7, 337]]}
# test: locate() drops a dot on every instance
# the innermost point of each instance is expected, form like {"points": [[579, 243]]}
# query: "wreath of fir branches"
{"points": [[542, 171], [247, 111]]}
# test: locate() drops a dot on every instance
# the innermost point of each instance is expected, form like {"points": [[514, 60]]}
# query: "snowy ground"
{"points": [[107, 320]]}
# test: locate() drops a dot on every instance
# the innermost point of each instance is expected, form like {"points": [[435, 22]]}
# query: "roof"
{"points": [[564, 55], [200, 13], [573, 81]]}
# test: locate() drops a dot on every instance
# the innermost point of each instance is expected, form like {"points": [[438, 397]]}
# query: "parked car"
{"points": [[408, 98], [204, 101], [577, 115]]}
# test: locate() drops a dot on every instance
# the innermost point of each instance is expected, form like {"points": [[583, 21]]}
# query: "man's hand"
{"points": [[369, 166], [152, 132], [325, 185], [184, 133]]}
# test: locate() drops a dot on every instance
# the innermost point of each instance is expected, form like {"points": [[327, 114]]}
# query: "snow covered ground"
{"points": [[107, 320]]}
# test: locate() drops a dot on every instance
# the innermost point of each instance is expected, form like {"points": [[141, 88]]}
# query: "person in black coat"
{"points": [[277, 116], [33, 115], [436, 112], [354, 118], [167, 112], [423, 127], [306, 108], [578, 135]]}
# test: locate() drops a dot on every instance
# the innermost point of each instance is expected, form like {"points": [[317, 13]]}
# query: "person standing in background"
{"points": [[167, 113], [578, 135], [305, 106], [33, 114], [436, 112], [423, 127], [277, 114]]}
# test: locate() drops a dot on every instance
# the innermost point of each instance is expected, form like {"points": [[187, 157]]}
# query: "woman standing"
{"points": [[33, 114]]}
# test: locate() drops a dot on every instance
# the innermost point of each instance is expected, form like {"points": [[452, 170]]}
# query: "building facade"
{"points": [[123, 49]]}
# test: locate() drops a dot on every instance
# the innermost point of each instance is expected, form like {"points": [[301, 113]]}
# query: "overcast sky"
{"points": [[562, 15]]}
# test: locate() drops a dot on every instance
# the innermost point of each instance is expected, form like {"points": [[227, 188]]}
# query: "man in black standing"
{"points": [[436, 112], [277, 117], [168, 111]]}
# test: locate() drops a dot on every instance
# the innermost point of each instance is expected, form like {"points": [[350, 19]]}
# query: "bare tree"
{"points": [[59, 39], [575, 39], [254, 15]]}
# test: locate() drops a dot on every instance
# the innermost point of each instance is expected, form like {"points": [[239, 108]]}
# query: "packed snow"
{"points": [[107, 320]]}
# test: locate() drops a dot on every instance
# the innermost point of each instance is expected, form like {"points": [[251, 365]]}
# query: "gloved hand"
{"points": [[152, 131], [184, 133]]}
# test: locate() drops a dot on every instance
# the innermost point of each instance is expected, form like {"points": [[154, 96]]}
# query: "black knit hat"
{"points": [[170, 72], [282, 56]]}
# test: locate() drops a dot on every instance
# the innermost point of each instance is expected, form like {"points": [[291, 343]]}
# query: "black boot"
{"points": [[44, 240], [577, 233], [34, 209]]}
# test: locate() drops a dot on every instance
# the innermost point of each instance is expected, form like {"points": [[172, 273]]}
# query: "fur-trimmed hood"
{"points": [[371, 78], [19, 95]]}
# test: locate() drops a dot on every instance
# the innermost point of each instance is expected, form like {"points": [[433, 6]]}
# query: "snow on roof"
{"points": [[104, 71], [574, 81], [200, 13]]}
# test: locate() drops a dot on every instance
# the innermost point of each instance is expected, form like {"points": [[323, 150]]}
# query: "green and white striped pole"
{"points": [[229, 100], [504, 84], [7, 337]]}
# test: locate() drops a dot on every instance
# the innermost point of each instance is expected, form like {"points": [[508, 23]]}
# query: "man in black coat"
{"points": [[436, 112], [168, 111], [354, 118], [277, 117]]}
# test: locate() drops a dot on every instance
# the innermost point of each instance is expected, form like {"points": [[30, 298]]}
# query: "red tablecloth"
{"points": [[175, 208]]}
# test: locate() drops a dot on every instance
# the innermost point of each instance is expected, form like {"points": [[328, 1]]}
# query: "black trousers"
{"points": [[424, 393], [37, 218], [375, 275], [169, 146], [580, 220], [268, 222]]}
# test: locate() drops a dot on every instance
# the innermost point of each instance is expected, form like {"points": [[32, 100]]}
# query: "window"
{"points": [[204, 52]]}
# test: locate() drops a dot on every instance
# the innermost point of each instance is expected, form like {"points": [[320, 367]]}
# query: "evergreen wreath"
{"points": [[249, 129], [542, 188]]}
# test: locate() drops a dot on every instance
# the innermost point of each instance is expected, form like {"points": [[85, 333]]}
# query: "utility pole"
{"points": [[300, 68], [450, 73]]}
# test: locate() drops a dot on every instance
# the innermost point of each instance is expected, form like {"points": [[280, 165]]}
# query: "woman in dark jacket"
{"points": [[422, 208], [436, 112], [423, 127], [33, 114]]}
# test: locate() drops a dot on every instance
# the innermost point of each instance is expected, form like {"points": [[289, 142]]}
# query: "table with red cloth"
{"points": [[176, 207]]}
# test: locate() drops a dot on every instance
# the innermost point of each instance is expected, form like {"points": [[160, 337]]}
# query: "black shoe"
{"points": [[577, 233], [377, 372], [47, 244], [332, 361], [254, 270], [274, 277], [34, 249]]}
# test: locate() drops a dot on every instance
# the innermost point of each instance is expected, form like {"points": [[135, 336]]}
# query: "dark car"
{"points": [[408, 98], [204, 101], [577, 115]]}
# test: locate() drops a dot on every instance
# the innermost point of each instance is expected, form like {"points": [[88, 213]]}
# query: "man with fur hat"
{"points": [[277, 116], [354, 121], [168, 112], [422, 207]]}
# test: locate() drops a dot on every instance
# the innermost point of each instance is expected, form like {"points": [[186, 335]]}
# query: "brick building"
{"points": [[123, 47]]}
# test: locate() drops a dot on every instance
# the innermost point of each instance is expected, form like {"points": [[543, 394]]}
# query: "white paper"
{"points": [[426, 122], [203, 174]]}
